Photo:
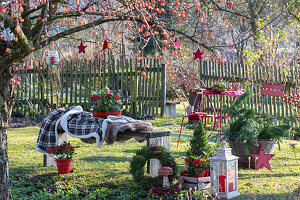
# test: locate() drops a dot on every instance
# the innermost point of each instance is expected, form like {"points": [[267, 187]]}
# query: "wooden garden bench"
{"points": [[161, 138]]}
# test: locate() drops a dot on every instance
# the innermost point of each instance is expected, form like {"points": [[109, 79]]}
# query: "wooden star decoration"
{"points": [[106, 45], [198, 54], [177, 44], [81, 48], [262, 158]]}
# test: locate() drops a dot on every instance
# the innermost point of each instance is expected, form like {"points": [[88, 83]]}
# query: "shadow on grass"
{"points": [[130, 150], [294, 195], [26, 169], [286, 158], [105, 159], [247, 176], [43, 177]]}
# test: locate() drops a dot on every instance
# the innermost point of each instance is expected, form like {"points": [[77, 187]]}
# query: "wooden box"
{"points": [[199, 183]]}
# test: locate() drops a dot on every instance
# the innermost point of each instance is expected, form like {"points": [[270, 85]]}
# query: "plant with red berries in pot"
{"points": [[63, 157], [106, 102]]}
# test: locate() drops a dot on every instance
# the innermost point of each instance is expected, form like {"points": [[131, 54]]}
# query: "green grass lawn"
{"points": [[104, 173]]}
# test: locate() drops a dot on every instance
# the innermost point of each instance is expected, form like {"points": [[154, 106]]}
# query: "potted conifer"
{"points": [[197, 162]]}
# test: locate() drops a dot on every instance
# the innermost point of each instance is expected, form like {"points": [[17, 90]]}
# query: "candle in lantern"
{"points": [[230, 186], [221, 183], [52, 59]]}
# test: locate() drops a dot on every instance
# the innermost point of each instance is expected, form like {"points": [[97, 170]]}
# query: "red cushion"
{"points": [[196, 115]]}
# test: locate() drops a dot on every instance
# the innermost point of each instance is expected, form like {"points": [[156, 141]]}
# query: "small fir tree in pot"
{"points": [[199, 143], [197, 156]]}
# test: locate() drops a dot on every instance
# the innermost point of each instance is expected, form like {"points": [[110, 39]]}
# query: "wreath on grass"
{"points": [[143, 155]]}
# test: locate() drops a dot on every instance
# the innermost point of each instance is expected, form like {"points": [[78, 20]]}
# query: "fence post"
{"points": [[163, 89]]}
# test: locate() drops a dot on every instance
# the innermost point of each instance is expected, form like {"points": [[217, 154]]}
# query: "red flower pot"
{"points": [[104, 114], [63, 166]]}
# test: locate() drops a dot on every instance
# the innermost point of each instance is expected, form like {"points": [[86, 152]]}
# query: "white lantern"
{"points": [[224, 173], [52, 58]]}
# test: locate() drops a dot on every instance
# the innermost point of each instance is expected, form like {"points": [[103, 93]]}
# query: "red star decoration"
{"points": [[81, 48], [106, 45], [177, 44], [198, 54], [262, 158]]}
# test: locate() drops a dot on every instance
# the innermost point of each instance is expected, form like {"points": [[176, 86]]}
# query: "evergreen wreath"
{"points": [[143, 155]]}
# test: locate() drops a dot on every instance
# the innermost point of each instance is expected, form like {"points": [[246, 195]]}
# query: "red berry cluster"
{"points": [[293, 98]]}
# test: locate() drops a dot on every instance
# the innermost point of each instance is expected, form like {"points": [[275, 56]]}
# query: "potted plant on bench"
{"points": [[106, 102], [246, 133]]}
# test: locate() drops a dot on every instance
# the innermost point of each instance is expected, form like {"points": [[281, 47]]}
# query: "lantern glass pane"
{"points": [[214, 179], [222, 177], [231, 176]]}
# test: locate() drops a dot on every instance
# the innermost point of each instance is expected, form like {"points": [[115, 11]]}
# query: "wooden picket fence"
{"points": [[44, 88], [250, 77]]}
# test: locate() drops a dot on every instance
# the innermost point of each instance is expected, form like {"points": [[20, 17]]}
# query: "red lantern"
{"points": [[52, 58]]}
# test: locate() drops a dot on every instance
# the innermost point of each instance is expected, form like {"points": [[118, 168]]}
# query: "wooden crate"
{"points": [[192, 182]]}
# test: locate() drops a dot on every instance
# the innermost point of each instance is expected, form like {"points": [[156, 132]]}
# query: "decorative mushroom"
{"points": [[181, 181], [165, 172]]}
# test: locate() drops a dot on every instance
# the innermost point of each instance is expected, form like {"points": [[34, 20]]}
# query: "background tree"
{"points": [[39, 25]]}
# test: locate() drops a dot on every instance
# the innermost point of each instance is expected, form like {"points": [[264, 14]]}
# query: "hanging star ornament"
{"points": [[262, 158], [106, 45], [198, 54], [81, 48], [177, 44]]}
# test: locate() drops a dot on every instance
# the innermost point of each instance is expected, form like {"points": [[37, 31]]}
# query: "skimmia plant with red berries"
{"points": [[65, 151], [106, 100]]}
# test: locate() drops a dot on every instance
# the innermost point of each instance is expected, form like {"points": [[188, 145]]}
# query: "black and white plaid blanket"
{"points": [[74, 121]]}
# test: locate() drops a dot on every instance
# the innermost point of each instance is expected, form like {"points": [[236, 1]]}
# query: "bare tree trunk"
{"points": [[6, 104]]}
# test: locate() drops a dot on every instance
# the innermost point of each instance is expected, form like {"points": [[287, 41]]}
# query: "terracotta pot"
{"points": [[104, 114], [63, 166]]}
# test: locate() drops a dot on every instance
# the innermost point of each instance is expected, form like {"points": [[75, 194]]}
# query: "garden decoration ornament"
{"points": [[52, 58], [198, 54], [165, 172], [177, 44], [224, 173], [81, 48], [106, 45], [262, 158], [145, 154]]}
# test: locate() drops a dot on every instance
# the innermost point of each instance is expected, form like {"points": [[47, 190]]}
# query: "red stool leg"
{"points": [[180, 132], [195, 124]]}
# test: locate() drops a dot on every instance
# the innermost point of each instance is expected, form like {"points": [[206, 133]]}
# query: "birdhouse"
{"points": [[52, 58], [224, 173]]}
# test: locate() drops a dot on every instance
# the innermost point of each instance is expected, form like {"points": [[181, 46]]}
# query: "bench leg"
{"points": [[49, 161], [170, 110], [153, 165]]}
